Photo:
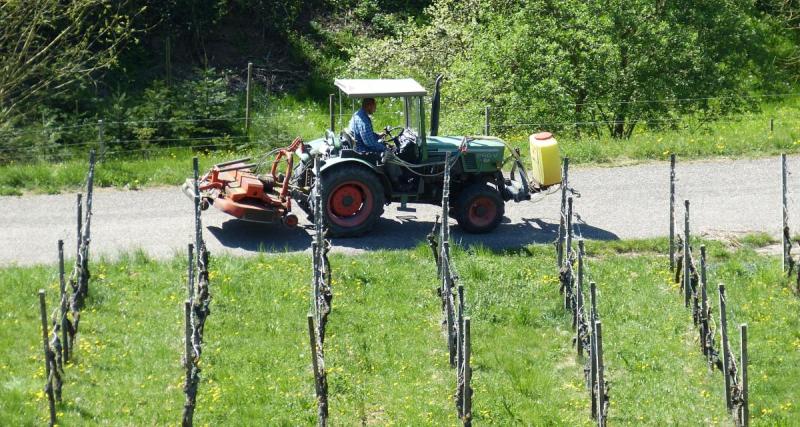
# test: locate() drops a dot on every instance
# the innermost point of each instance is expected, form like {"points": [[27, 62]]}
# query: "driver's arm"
{"points": [[369, 137]]}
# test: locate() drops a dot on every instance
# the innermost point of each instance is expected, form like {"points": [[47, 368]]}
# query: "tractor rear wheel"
{"points": [[479, 208], [353, 201]]}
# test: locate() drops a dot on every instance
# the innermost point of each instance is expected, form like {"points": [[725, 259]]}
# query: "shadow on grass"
{"points": [[401, 232]]}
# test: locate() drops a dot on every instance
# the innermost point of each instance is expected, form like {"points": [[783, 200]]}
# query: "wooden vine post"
{"points": [[744, 415], [561, 225], [593, 346], [785, 215], [704, 311], [49, 366], [726, 363], [62, 286], [672, 213], [568, 256], [601, 383], [467, 391], [687, 262]]}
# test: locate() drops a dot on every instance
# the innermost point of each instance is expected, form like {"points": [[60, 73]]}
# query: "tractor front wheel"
{"points": [[353, 201], [479, 208]]}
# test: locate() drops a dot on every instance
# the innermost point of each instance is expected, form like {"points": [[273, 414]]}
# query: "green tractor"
{"points": [[356, 186]]}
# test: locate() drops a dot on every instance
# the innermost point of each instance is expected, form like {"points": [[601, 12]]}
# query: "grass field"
{"points": [[748, 135], [385, 352]]}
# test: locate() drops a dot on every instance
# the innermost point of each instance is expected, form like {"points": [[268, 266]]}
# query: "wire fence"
{"points": [[451, 292], [59, 342], [126, 138], [586, 323], [693, 284]]}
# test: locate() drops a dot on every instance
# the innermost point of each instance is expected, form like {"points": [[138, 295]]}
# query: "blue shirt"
{"points": [[366, 138]]}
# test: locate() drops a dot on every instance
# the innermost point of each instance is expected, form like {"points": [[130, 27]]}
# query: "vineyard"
{"points": [[584, 333]]}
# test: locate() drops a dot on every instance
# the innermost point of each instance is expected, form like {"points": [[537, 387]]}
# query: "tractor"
{"points": [[355, 186]]}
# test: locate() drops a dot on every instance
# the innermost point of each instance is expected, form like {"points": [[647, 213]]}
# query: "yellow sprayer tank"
{"points": [[545, 158]]}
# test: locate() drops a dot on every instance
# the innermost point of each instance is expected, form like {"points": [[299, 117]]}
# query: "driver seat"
{"points": [[347, 138]]}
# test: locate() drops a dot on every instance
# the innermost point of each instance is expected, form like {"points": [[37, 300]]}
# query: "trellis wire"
{"points": [[587, 327], [61, 345], [693, 285], [452, 295]]}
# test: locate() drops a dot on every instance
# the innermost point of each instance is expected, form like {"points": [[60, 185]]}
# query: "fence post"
{"points": [[248, 99], [568, 256], [460, 332], [198, 237], [101, 132], [771, 125], [190, 281], [687, 277], [62, 286], [785, 214], [745, 414], [188, 360], [322, 400], [48, 388], [577, 301], [601, 383], [79, 208], [593, 345], [672, 213], [467, 391], [331, 112], [723, 321], [703, 302], [564, 185], [486, 125]]}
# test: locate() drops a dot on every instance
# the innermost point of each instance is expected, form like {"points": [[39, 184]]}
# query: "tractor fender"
{"points": [[339, 162]]}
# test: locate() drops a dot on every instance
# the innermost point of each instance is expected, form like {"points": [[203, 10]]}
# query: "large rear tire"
{"points": [[352, 201], [479, 208]]}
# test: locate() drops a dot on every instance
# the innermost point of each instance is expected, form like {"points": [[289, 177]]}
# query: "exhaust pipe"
{"points": [[436, 106]]}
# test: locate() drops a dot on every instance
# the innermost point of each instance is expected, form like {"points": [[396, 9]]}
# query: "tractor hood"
{"points": [[480, 144]]}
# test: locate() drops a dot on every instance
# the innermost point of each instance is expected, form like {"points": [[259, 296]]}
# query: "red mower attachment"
{"points": [[234, 188]]}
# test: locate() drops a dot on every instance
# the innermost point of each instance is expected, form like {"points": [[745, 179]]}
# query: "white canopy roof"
{"points": [[373, 88]]}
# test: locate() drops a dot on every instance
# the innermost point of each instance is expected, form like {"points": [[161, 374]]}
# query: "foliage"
{"points": [[616, 63], [47, 47], [385, 354]]}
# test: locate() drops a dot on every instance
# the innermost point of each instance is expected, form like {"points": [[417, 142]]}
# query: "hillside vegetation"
{"points": [[166, 74]]}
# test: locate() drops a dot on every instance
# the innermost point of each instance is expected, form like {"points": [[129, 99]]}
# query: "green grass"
{"points": [[385, 352], [277, 121]]}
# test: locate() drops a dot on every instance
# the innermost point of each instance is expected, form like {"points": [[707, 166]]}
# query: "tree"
{"points": [[612, 64], [46, 46]]}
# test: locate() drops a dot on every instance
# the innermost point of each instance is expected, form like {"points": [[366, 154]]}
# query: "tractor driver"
{"points": [[367, 141]]}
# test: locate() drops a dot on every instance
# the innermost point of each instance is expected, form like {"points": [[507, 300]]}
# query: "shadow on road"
{"points": [[402, 232]]}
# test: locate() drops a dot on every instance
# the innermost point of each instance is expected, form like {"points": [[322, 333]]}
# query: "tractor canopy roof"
{"points": [[376, 88]]}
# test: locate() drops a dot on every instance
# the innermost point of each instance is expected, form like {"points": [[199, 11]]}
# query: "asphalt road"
{"points": [[727, 197]]}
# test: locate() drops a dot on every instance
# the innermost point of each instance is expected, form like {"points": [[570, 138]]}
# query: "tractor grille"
{"points": [[470, 162]]}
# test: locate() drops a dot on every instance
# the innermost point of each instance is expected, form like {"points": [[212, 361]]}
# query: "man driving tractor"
{"points": [[367, 141]]}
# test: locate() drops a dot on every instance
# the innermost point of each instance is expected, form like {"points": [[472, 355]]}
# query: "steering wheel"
{"points": [[387, 134]]}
